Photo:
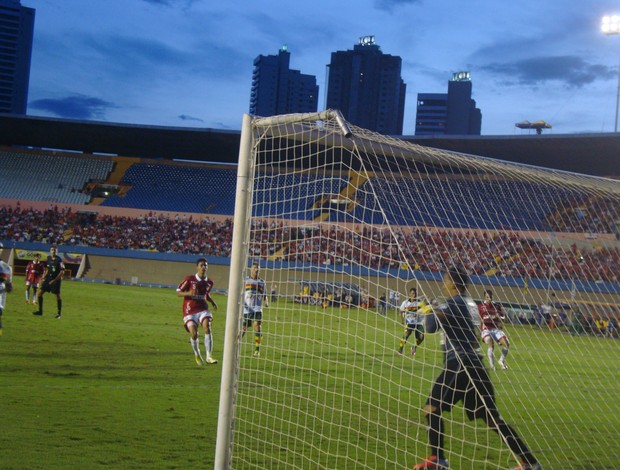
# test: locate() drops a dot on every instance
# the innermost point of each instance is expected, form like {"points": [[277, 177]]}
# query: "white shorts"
{"points": [[495, 333], [197, 318]]}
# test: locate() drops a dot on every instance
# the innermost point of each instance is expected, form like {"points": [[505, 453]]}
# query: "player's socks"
{"points": [[195, 346], [257, 341], [208, 345], [41, 306], [504, 352], [491, 358], [59, 306]]}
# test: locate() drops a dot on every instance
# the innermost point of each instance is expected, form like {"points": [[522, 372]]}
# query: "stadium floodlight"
{"points": [[611, 25]]}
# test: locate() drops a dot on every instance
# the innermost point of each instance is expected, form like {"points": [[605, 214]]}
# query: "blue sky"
{"points": [[188, 63]]}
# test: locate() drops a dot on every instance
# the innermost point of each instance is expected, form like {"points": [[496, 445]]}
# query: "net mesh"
{"points": [[343, 226]]}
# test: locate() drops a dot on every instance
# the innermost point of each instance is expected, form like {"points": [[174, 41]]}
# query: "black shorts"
{"points": [[54, 288], [417, 329], [467, 381], [250, 318]]}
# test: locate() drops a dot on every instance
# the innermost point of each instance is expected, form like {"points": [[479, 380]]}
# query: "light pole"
{"points": [[611, 25]]}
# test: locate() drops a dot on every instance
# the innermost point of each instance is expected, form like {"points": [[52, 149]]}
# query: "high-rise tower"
{"points": [[366, 86], [16, 33], [452, 113], [276, 89]]}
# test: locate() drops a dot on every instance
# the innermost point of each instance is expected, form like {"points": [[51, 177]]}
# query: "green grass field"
{"points": [[335, 373], [113, 384]]}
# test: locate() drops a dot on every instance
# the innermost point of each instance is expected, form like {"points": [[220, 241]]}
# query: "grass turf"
{"points": [[113, 384]]}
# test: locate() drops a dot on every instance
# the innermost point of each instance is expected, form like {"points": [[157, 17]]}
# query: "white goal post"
{"points": [[343, 223]]}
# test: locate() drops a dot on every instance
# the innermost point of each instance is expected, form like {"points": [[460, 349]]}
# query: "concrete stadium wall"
{"points": [[152, 271], [169, 270]]}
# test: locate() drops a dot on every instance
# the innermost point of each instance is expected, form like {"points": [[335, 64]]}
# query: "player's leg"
{"points": [[1, 309], [443, 395], [488, 340], [510, 437], [404, 339], [208, 339], [55, 289], [258, 333], [481, 403], [35, 293], [44, 288], [58, 303], [503, 342], [192, 329], [419, 337], [27, 292]]}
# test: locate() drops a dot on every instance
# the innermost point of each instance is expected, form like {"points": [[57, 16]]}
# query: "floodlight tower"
{"points": [[611, 25]]}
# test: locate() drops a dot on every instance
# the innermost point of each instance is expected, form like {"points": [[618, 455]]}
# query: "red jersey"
{"points": [[491, 315], [34, 271], [201, 288]]}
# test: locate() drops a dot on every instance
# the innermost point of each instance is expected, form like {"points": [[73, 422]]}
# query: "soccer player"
{"points": [[414, 322], [6, 283], [196, 292], [34, 273], [464, 377], [253, 299], [52, 281], [492, 315]]}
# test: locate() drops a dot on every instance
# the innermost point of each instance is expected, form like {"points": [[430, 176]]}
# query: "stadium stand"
{"points": [[49, 177], [187, 188], [457, 195], [309, 189]]}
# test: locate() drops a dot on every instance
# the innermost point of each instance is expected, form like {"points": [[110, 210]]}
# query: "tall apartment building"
{"points": [[16, 33], [452, 113], [276, 89], [366, 86]]}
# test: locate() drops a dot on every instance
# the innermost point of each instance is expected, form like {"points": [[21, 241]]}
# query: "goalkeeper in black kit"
{"points": [[464, 377]]}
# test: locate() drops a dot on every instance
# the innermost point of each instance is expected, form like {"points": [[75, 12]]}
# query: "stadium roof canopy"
{"points": [[594, 154]]}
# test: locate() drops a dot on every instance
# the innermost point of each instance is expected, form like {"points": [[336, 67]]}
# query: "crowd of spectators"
{"points": [[593, 215], [493, 253], [151, 232], [507, 254]]}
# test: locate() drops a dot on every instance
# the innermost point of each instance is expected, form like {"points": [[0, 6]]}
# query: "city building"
{"points": [[276, 89], [17, 28], [452, 113], [366, 86]]}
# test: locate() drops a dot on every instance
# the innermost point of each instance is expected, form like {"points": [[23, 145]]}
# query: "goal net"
{"points": [[343, 223]]}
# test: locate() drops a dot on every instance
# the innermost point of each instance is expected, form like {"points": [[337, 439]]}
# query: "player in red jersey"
{"points": [[34, 273], [492, 314], [196, 292]]}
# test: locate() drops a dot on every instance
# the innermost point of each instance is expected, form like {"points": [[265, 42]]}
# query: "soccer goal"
{"points": [[344, 222]]}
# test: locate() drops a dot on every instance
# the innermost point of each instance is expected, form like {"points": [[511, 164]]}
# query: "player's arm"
{"points": [[184, 290], [210, 300], [403, 311], [501, 313], [8, 284], [432, 321], [59, 277]]}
